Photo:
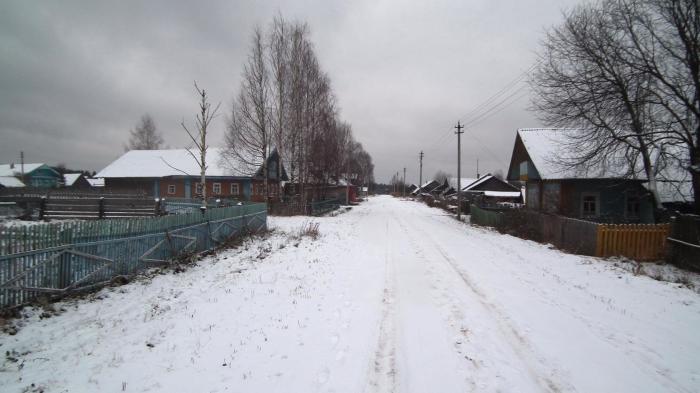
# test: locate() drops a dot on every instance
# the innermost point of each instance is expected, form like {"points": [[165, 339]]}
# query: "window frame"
{"points": [[216, 189], [596, 200], [638, 201], [237, 188], [172, 189]]}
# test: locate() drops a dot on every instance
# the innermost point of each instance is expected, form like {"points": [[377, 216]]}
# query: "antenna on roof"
{"points": [[477, 167]]}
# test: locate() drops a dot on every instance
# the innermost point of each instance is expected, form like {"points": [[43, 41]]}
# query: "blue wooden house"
{"points": [[35, 175]]}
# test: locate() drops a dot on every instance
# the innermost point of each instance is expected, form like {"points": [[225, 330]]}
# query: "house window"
{"points": [[198, 188], [272, 171], [523, 170], [171, 189], [590, 205], [633, 206], [216, 188], [234, 189]]}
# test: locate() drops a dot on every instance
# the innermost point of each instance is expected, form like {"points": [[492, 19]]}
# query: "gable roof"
{"points": [[172, 162], [548, 149], [96, 182], [10, 181], [70, 178], [8, 170]]}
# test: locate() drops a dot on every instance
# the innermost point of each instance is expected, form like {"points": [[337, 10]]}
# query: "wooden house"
{"points": [[603, 192], [489, 190], [174, 173], [426, 188], [35, 175], [76, 181]]}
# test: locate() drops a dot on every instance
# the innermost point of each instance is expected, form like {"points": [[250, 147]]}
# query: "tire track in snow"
{"points": [[382, 375], [520, 345]]}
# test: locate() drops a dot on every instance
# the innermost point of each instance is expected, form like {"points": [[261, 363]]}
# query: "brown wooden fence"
{"points": [[642, 242]]}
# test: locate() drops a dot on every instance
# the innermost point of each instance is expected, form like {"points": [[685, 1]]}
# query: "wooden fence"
{"points": [[56, 259], [642, 242], [684, 241], [293, 208]]}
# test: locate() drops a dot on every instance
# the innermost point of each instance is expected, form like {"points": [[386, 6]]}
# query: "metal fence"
{"points": [[57, 259]]}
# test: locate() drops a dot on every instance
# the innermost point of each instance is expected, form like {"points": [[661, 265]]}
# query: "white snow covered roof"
{"points": [[172, 162], [10, 181], [70, 178], [96, 182], [7, 170], [476, 182], [509, 194], [548, 149]]}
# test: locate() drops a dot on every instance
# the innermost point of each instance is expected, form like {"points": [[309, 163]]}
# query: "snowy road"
{"points": [[393, 297]]}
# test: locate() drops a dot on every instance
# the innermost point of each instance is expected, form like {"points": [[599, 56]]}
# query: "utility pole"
{"points": [[420, 178], [459, 133], [404, 182], [21, 163]]}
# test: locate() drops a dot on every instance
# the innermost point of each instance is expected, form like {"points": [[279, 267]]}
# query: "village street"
{"points": [[393, 296]]}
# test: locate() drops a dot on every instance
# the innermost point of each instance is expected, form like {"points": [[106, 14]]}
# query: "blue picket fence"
{"points": [[81, 256]]}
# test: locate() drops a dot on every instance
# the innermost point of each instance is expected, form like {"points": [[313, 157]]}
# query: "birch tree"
{"points": [[198, 136], [249, 134]]}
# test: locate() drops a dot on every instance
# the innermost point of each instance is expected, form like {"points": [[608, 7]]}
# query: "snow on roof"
{"points": [[549, 150], [172, 162], [10, 181], [96, 182], [7, 170], [70, 178], [509, 194], [477, 182]]}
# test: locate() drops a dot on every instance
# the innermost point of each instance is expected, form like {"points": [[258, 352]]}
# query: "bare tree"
{"points": [[582, 82], [145, 136], [199, 138], [664, 38], [441, 176], [249, 135]]}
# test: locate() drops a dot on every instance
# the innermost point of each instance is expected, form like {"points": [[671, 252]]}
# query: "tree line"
{"points": [[627, 74], [286, 102]]}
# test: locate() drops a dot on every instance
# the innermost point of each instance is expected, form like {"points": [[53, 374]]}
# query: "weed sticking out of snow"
{"points": [[660, 272]]}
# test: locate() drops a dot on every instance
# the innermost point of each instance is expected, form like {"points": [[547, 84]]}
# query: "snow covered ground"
{"points": [[392, 297]]}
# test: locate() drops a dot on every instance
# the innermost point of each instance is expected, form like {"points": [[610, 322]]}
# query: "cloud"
{"points": [[76, 76]]}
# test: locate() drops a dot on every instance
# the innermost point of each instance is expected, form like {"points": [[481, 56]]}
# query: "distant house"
{"points": [[411, 188], [491, 190], [456, 183], [75, 180], [174, 173], [426, 188], [95, 182], [35, 175], [437, 191], [603, 192], [10, 182]]}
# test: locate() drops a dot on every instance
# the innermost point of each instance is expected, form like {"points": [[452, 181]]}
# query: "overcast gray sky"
{"points": [[75, 76]]}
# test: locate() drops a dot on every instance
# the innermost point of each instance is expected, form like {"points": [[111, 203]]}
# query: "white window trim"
{"points": [[214, 189], [237, 188], [597, 203], [172, 189], [198, 188]]}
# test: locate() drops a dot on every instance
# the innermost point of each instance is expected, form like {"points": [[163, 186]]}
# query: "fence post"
{"points": [[42, 207], [64, 266], [101, 208]]}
